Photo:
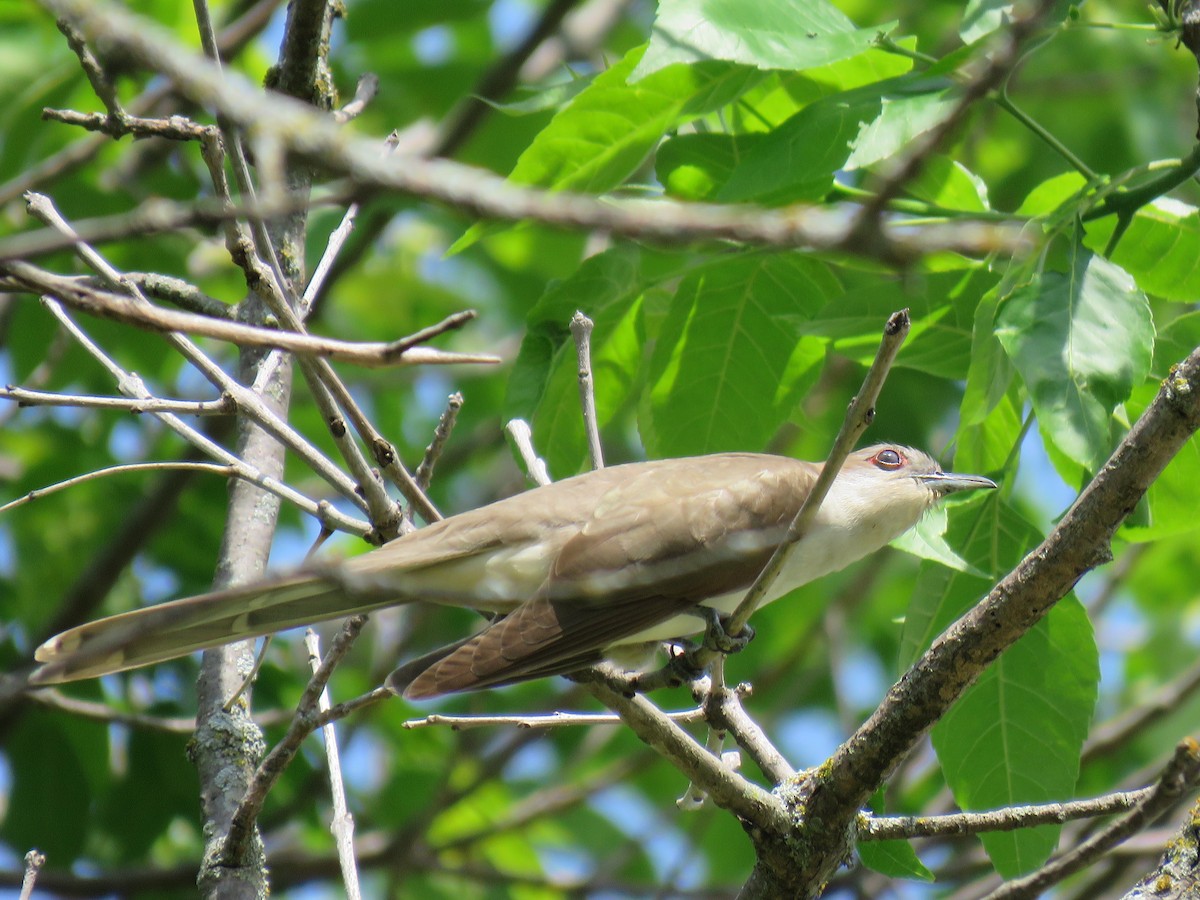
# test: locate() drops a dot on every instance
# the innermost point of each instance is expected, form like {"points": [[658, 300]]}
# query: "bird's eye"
{"points": [[889, 460]]}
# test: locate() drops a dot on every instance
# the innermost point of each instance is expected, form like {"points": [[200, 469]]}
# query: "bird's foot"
{"points": [[718, 640], [687, 663]]}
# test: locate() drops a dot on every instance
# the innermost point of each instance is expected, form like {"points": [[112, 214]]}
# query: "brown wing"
{"points": [[656, 545]]}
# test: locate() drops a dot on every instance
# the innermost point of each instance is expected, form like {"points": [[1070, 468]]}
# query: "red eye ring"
{"points": [[889, 459]]}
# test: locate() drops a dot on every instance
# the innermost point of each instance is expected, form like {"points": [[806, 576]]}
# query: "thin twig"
{"points": [[342, 825], [95, 73], [346, 707], [26, 397], [34, 860], [1114, 734], [1180, 775], [541, 722], [723, 706], [172, 128], [104, 712], [888, 828], [144, 315], [182, 294], [364, 93], [132, 385], [728, 789], [581, 331], [522, 438], [424, 474], [249, 402], [159, 216], [120, 469], [337, 240], [858, 417], [308, 718]]}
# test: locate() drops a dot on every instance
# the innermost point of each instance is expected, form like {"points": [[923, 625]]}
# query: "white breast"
{"points": [[846, 530]]}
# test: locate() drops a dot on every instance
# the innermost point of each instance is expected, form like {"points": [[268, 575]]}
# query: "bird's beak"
{"points": [[943, 483]]}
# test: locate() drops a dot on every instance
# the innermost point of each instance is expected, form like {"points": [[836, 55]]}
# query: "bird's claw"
{"points": [[717, 639]]}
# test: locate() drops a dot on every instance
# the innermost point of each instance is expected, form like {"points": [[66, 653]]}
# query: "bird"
{"points": [[573, 572]]}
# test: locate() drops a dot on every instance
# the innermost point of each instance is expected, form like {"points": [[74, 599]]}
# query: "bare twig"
{"points": [[26, 397], [131, 385], [172, 128], [337, 238], [541, 723], [346, 707], [364, 93], [103, 712], [581, 331], [522, 438], [249, 401], [858, 417], [142, 314], [182, 294], [441, 435], [307, 719], [95, 73], [723, 707], [1181, 774], [34, 860], [888, 828], [116, 470], [316, 137], [231, 40], [159, 216], [342, 825], [727, 788]]}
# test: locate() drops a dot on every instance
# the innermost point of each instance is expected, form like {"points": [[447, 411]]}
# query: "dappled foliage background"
{"points": [[1027, 371]]}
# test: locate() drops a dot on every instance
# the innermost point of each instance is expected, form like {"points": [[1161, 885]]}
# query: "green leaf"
{"points": [[982, 17], [603, 136], [1174, 497], [1160, 249], [609, 129], [989, 372], [730, 364], [56, 762], [767, 34], [1015, 736], [871, 67], [1081, 340], [544, 385], [905, 114], [928, 541], [940, 306], [1051, 194], [893, 858], [986, 445], [553, 96], [696, 166], [797, 160], [948, 184]]}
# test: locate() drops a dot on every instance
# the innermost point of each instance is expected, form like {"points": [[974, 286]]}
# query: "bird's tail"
{"points": [[157, 633]]}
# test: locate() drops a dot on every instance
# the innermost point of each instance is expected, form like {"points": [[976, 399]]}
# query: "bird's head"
{"points": [[891, 486]]}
